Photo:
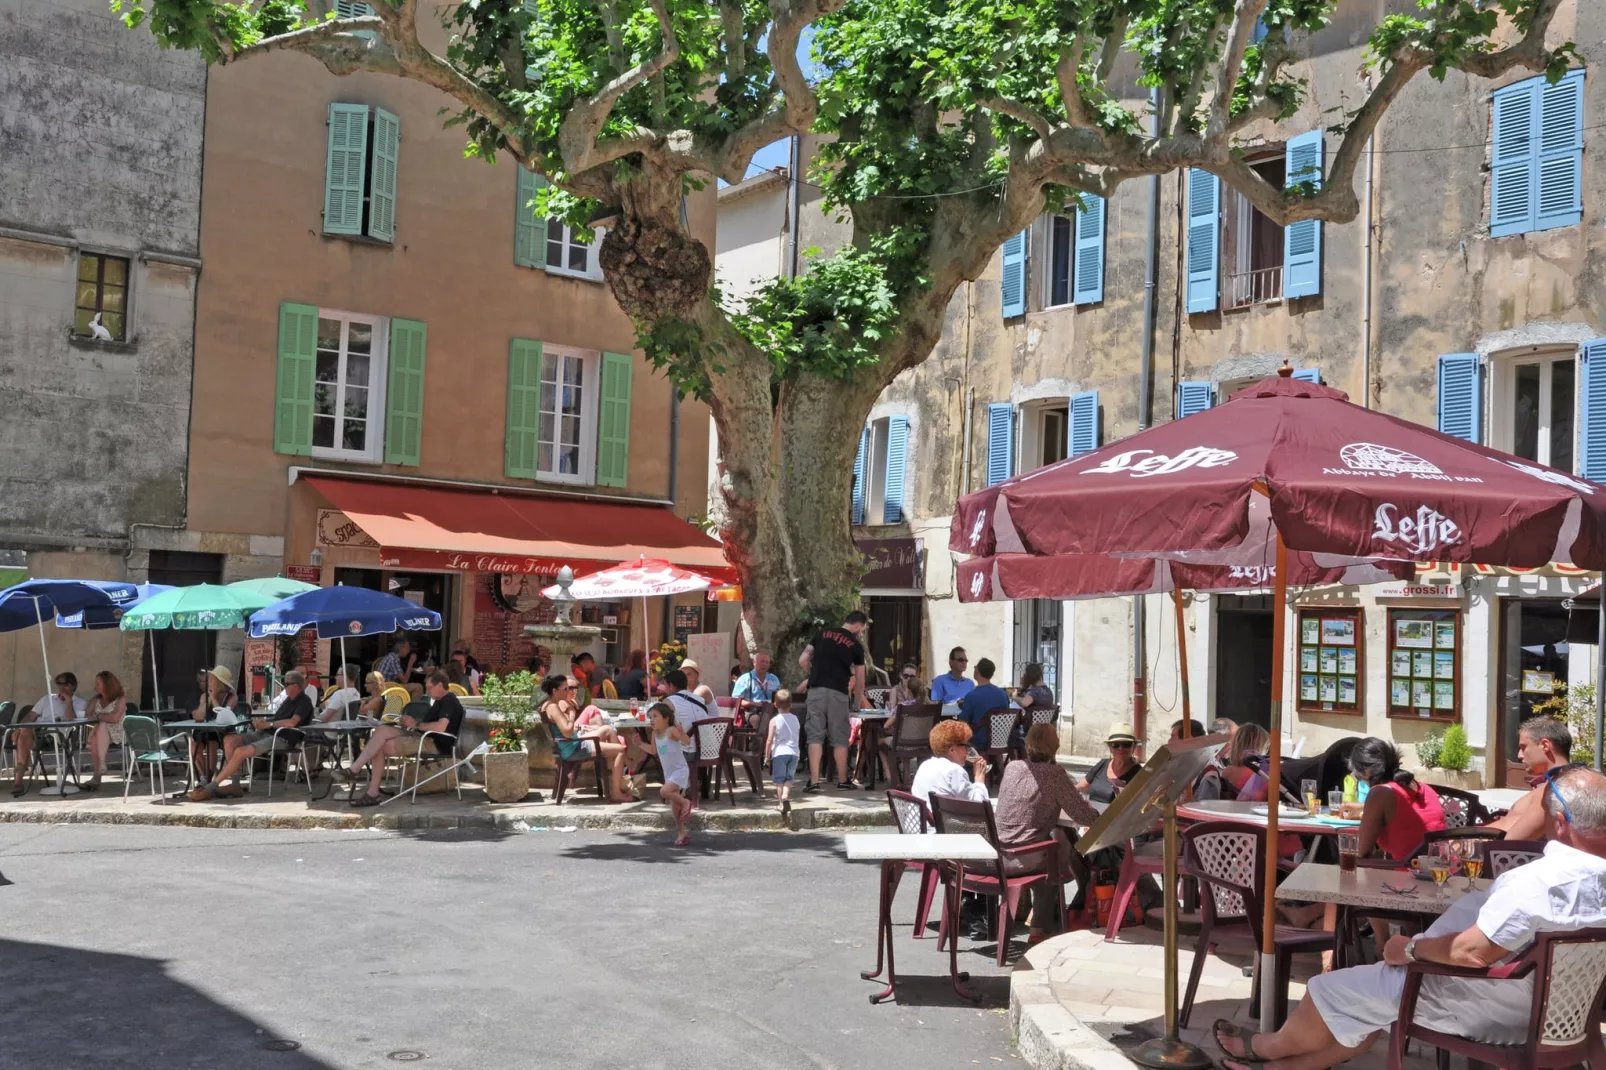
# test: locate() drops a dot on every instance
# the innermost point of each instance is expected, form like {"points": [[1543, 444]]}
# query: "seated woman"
{"points": [[1397, 817], [1110, 774], [911, 690], [1033, 694], [109, 705], [1244, 767], [218, 694], [944, 773], [1031, 798], [572, 740], [373, 703]]}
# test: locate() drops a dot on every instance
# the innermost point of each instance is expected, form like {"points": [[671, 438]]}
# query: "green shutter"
{"points": [[382, 187], [298, 357], [523, 408], [613, 434], [529, 230], [343, 173], [404, 392]]}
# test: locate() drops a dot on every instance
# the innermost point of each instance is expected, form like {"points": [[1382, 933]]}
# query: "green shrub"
{"points": [[1455, 755], [1429, 749], [513, 697]]}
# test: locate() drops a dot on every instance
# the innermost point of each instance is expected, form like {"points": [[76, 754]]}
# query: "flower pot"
{"points": [[507, 775], [1466, 780]]}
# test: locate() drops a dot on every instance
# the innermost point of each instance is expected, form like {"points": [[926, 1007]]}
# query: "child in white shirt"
{"points": [[781, 750]]}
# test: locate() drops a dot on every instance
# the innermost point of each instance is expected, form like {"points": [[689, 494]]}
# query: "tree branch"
{"points": [[730, 18], [1112, 49], [299, 40], [1274, 53], [1067, 71], [1016, 110], [577, 135], [1244, 18]]}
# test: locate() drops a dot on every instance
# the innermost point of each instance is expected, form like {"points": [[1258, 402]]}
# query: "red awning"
{"points": [[420, 526]]}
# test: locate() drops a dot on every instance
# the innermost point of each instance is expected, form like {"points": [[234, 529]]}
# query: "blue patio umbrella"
{"points": [[30, 602], [98, 617], [339, 611]]}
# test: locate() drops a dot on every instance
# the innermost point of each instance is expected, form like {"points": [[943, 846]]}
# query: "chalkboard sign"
{"points": [[688, 621]]}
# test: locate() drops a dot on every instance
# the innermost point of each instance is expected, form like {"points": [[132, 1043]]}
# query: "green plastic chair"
{"points": [[142, 743]]}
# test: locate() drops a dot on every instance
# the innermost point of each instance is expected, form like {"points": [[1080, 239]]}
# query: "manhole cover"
{"points": [[405, 1056], [281, 1045]]}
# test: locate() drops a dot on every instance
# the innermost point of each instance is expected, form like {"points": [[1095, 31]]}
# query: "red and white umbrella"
{"points": [[643, 578]]}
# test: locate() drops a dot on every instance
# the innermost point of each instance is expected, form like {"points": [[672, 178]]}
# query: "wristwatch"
{"points": [[1410, 950]]}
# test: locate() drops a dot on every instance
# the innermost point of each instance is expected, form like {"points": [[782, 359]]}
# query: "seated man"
{"points": [[293, 711], [391, 741], [1346, 1010], [63, 705], [1543, 743], [982, 699], [344, 692]]}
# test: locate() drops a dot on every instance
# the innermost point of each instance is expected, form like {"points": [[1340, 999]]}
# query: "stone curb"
{"points": [[1049, 1036], [397, 816]]}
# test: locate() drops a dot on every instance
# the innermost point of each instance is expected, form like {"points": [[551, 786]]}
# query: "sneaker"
{"points": [[846, 785], [813, 786]]}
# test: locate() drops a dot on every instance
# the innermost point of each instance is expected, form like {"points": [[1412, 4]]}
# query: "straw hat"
{"points": [[1121, 733], [692, 665], [223, 674]]}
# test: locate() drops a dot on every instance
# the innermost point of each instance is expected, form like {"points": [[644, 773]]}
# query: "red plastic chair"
{"points": [[712, 737], [1569, 981], [914, 819], [1229, 859], [1015, 870], [1134, 867], [993, 739]]}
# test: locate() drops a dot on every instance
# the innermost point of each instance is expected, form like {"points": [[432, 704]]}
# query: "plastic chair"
{"points": [[1509, 854], [142, 743], [1134, 867], [1461, 808], [1229, 860], [1569, 980], [396, 699], [570, 753], [747, 744], [911, 737], [1031, 718], [712, 739], [914, 819], [994, 742], [1015, 870], [458, 689]]}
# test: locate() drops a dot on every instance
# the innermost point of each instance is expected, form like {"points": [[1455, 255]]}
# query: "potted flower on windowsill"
{"points": [[508, 700]]}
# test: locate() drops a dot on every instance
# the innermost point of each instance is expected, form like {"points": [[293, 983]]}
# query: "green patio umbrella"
{"points": [[202, 607], [277, 588]]}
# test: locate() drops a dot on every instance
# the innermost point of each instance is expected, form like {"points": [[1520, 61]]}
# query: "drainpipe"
{"points": [[674, 441], [794, 183], [1366, 285], [1151, 257]]}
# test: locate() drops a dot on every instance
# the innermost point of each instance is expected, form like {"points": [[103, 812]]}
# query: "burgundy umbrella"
{"points": [[1295, 461]]}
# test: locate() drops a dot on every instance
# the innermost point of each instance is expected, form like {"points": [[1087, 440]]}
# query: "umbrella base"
{"points": [[1169, 1053], [65, 789]]}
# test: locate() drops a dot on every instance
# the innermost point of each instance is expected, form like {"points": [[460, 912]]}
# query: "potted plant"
{"points": [[508, 700], [1446, 757]]}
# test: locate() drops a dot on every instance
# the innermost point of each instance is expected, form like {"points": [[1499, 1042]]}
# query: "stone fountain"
{"points": [[564, 639]]}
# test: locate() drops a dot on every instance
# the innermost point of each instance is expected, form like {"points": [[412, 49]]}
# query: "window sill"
{"points": [[84, 341], [358, 239], [322, 454], [568, 274], [1268, 303], [564, 481]]}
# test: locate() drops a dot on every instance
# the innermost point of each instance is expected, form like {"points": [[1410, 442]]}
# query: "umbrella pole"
{"points": [[1268, 926], [156, 680], [1182, 663], [1600, 670], [50, 680]]}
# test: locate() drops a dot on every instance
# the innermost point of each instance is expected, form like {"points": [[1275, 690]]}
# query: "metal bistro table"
{"points": [[343, 731], [59, 730], [892, 850], [195, 728]]}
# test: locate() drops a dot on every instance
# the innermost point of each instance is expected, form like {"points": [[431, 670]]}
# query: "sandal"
{"points": [[17, 793], [1223, 1027], [683, 841], [366, 800]]}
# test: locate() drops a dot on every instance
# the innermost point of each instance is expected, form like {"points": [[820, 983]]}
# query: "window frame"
{"points": [[1502, 396], [100, 293], [593, 272], [379, 382], [1051, 244], [590, 402], [1034, 421], [1316, 614], [1410, 713]]}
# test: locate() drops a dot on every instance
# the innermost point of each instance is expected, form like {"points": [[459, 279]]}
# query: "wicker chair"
{"points": [[712, 737], [994, 739], [1569, 980], [1461, 808], [747, 744], [914, 819]]}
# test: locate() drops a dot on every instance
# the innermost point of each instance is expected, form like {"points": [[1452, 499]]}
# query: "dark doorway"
{"points": [[181, 656], [895, 634], [1533, 651], [1243, 658], [428, 589]]}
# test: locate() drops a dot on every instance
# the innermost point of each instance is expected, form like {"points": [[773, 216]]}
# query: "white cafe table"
{"points": [[893, 851], [59, 731], [1367, 887], [1254, 813]]}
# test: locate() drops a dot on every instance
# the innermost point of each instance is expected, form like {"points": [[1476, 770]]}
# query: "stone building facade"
{"points": [[100, 198]]}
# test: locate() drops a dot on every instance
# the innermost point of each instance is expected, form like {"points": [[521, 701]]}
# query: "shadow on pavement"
{"points": [[68, 1007], [657, 847], [459, 835]]}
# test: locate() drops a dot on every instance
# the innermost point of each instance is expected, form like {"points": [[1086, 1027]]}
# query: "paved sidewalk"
{"points": [[1078, 1003]]}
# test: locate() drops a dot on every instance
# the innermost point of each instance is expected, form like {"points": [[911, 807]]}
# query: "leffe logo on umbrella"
{"points": [[1420, 533], [1142, 463], [978, 528], [976, 582], [1261, 574]]}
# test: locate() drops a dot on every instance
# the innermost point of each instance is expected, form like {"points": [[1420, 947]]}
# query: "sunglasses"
{"points": [[959, 661], [1122, 745], [1550, 782], [65, 683]]}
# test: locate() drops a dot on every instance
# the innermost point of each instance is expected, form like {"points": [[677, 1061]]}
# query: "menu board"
{"points": [[1330, 645], [1423, 665]]}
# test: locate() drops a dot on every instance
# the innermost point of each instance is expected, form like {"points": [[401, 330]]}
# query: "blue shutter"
{"points": [[1302, 241], [1089, 288], [1511, 180], [1014, 284], [1460, 395], [1000, 441], [1194, 396], [1084, 437], [344, 168], [1592, 435], [1308, 375], [897, 450], [1561, 152], [858, 477], [1204, 237]]}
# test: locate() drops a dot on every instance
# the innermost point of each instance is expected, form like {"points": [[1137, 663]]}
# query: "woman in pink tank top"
{"points": [[1400, 810]]}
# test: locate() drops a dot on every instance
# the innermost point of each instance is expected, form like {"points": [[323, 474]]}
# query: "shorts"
{"points": [[783, 768], [264, 742], [409, 742], [827, 717]]}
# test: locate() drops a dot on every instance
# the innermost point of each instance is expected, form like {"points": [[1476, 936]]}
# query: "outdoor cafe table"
{"points": [[892, 850], [59, 730], [1366, 887], [1254, 813], [339, 730], [194, 727]]}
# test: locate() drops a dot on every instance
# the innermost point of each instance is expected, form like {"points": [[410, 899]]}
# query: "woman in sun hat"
{"points": [[694, 681], [219, 693], [1111, 774]]}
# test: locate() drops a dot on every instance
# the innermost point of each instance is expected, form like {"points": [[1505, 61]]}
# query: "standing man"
{"points": [[835, 664], [295, 710], [1543, 743], [757, 684], [952, 686]]}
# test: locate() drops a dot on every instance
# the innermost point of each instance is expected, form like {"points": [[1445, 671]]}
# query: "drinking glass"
{"points": [[1440, 863], [1471, 860], [1335, 801], [1349, 846], [1307, 791]]}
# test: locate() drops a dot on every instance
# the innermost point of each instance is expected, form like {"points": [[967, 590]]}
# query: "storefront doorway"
{"points": [[1037, 638], [181, 655], [428, 589], [895, 633], [1533, 660], [1243, 658]]}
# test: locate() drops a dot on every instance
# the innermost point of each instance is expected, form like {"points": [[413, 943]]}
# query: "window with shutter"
{"points": [[1592, 407], [404, 416], [351, 384], [613, 424], [1089, 250], [382, 176], [346, 169], [860, 459], [897, 458], [1537, 161], [523, 408], [352, 9], [1308, 375], [1084, 437], [1194, 396], [529, 229], [1204, 238], [1460, 406], [1000, 441], [298, 354], [1561, 153], [1302, 241], [1013, 289]]}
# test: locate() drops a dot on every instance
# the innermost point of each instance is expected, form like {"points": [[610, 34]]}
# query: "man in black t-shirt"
{"points": [[266, 737], [408, 740], [835, 664]]}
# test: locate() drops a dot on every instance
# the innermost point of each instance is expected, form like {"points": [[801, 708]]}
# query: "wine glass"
{"points": [[1441, 861], [1471, 860]]}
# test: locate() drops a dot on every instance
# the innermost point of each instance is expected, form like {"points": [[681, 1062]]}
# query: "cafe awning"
{"points": [[461, 530]]}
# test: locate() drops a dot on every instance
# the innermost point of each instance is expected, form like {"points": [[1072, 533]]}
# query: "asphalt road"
{"points": [[168, 948]]}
